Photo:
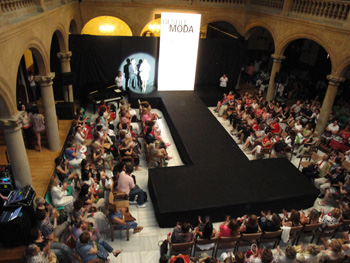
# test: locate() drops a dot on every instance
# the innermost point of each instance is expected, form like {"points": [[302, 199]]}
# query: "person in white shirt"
{"points": [[59, 194], [145, 68], [331, 131], [32, 84], [223, 81], [119, 81]]}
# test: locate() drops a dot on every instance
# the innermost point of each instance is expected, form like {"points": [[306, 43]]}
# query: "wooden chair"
{"points": [[309, 230], [112, 226], [249, 239], [284, 134], [328, 231], [294, 233], [269, 237], [227, 243], [313, 150], [200, 241], [180, 248], [342, 157], [314, 157], [265, 151], [290, 150], [346, 165]]}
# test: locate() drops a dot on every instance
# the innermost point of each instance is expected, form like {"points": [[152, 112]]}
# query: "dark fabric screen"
{"points": [[219, 56], [96, 60]]}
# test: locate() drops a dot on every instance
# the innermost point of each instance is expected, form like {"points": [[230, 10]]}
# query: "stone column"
{"points": [[277, 61], [65, 67], [328, 101], [16, 150], [45, 83]]}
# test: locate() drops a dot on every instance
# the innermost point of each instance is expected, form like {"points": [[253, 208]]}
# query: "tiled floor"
{"points": [[143, 247]]}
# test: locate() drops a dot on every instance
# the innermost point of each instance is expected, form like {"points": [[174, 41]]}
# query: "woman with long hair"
{"points": [[38, 123]]}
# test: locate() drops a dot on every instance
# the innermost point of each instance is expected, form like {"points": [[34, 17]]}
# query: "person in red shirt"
{"points": [[275, 126], [265, 144]]}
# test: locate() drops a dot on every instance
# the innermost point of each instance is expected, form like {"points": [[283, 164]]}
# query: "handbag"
{"points": [[163, 246]]}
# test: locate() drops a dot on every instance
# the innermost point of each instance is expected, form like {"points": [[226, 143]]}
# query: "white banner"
{"points": [[179, 36]]}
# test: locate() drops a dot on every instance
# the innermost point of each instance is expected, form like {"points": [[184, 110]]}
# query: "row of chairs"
{"points": [[244, 240], [217, 243]]}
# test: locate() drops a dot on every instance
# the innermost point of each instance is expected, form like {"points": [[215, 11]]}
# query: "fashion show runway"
{"points": [[217, 178]]}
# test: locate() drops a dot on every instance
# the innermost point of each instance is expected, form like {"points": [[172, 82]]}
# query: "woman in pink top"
{"points": [[229, 228]]}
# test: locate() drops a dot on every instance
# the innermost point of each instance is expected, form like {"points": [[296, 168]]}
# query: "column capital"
{"points": [[45, 80], [335, 81], [64, 56], [277, 58], [12, 124]]}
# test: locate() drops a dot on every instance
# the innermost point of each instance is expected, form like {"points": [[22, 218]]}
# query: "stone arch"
{"points": [[41, 56], [123, 18], [207, 20], [62, 37], [73, 27], [7, 104], [143, 31], [281, 47], [342, 67], [249, 29]]}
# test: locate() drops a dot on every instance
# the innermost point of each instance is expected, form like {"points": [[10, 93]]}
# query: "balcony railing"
{"points": [[223, 1], [275, 4], [324, 11], [336, 10], [12, 5]]}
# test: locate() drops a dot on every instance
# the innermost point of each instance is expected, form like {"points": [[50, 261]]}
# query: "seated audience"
{"points": [[90, 249], [64, 174], [250, 225], [59, 194], [97, 218], [269, 223], [205, 230], [331, 132], [333, 253], [63, 252], [35, 255], [181, 233], [88, 197], [288, 256], [117, 216], [73, 154], [229, 228], [48, 229]]}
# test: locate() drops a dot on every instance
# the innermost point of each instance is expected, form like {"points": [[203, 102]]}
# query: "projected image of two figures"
{"points": [[137, 74]]}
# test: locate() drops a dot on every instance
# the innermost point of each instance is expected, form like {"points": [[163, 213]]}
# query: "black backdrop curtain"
{"points": [[96, 60], [217, 57]]}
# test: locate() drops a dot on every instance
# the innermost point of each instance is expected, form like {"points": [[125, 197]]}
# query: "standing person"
{"points": [[223, 82], [145, 68], [32, 84], [119, 81], [133, 74], [27, 128], [38, 125]]}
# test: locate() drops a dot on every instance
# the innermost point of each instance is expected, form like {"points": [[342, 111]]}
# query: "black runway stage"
{"points": [[217, 178]]}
